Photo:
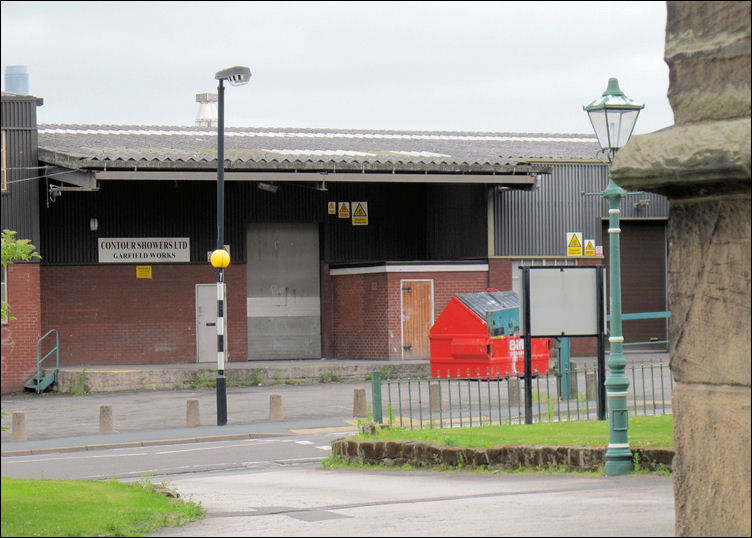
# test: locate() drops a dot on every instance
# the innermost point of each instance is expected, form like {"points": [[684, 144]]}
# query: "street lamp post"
{"points": [[613, 117], [220, 258]]}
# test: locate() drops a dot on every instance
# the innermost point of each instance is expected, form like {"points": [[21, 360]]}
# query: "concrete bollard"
{"points": [[434, 396], [359, 403], [592, 386], [514, 391], [191, 414], [275, 407], [573, 385], [105, 419], [19, 426]]}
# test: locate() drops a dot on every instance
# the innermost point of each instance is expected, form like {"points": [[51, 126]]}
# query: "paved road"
{"points": [[309, 501], [166, 460]]}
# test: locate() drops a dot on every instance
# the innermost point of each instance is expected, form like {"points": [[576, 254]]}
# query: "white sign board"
{"points": [[144, 250], [563, 301]]}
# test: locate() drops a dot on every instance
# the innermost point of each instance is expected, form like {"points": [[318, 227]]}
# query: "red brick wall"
{"points": [[500, 274], [359, 320], [366, 316], [105, 315], [20, 336]]}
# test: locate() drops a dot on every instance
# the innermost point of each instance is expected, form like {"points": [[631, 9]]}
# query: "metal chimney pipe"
{"points": [[17, 79], [207, 110]]}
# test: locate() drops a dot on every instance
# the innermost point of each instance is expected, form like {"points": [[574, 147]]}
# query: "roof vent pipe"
{"points": [[17, 79], [207, 110]]}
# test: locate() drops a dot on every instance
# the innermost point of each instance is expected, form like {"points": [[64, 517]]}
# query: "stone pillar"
{"points": [[275, 407], [105, 419], [514, 391], [702, 164], [434, 397], [18, 426], [360, 409], [192, 418], [591, 385]]}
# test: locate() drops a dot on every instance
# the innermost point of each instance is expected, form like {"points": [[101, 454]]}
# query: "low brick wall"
{"points": [[425, 454]]}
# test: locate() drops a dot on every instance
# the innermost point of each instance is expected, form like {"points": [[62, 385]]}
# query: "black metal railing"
{"points": [[478, 398]]}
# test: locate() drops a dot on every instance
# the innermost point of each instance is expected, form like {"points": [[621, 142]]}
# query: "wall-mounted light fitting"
{"points": [[93, 225], [268, 187]]}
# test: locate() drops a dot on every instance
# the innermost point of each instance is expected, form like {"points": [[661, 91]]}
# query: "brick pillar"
{"points": [[500, 274], [20, 336], [702, 164]]}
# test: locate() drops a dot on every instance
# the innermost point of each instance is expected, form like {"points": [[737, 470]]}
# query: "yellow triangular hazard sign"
{"points": [[360, 212], [574, 242], [344, 210]]}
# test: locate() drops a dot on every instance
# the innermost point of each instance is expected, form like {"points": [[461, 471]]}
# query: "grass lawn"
{"points": [[643, 431], [88, 508]]}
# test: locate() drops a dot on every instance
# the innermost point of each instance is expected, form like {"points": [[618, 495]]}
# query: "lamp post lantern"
{"points": [[613, 117], [220, 258]]}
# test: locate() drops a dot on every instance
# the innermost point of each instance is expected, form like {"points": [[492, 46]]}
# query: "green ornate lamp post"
{"points": [[613, 117], [220, 259]]}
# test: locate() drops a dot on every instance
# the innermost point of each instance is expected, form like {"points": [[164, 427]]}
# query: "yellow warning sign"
{"points": [[143, 271], [574, 243], [332, 208], [360, 214], [589, 247], [344, 210]]}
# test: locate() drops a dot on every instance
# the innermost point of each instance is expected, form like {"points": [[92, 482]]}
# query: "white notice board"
{"points": [[563, 301]]}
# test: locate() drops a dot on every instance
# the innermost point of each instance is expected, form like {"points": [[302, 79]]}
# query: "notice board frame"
{"points": [[567, 284]]}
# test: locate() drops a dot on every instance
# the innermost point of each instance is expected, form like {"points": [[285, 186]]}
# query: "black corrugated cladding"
{"points": [[457, 222], [535, 223], [20, 210], [400, 226]]}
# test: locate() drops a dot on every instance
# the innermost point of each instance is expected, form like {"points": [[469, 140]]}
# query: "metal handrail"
{"points": [[643, 315], [42, 359]]}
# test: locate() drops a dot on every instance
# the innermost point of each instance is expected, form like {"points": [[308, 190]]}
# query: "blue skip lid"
{"points": [[499, 309]]}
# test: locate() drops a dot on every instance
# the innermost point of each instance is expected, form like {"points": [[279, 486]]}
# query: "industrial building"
{"points": [[345, 244]]}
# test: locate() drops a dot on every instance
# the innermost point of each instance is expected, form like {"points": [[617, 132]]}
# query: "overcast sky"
{"points": [[450, 66]]}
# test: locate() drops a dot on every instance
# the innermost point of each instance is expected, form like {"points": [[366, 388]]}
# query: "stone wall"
{"points": [[509, 457], [702, 163]]}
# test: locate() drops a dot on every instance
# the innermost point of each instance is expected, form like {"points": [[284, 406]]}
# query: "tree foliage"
{"points": [[14, 250]]}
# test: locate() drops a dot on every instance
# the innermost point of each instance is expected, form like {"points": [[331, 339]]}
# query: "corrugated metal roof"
{"points": [[160, 147], [486, 301]]}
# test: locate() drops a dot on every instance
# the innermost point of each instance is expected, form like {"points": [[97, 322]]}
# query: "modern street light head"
{"points": [[236, 76], [613, 116]]}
